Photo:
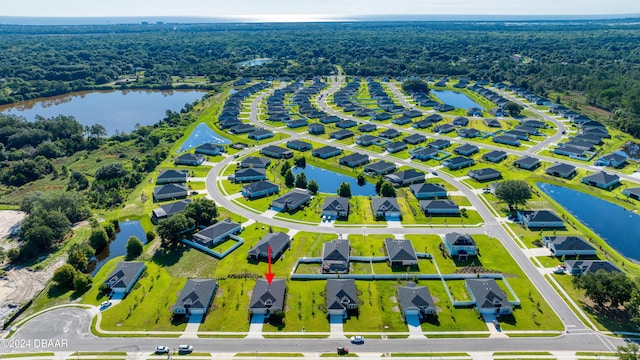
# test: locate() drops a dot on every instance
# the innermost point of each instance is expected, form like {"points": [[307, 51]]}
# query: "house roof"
{"points": [[426, 188], [171, 174], [415, 138], [494, 154], [385, 204], [259, 186], [425, 152], [355, 157], [275, 150], [254, 161], [124, 275], [396, 145], [298, 143], [293, 196], [380, 166], [340, 293], [405, 175], [400, 250], [466, 148], [335, 203], [190, 157], [633, 191], [561, 168], [602, 178], [458, 160], [540, 215], [570, 242], [456, 239], [170, 189], [413, 297], [487, 293], [277, 240], [171, 208], [390, 133], [439, 142], [249, 172], [260, 132], [326, 150], [268, 296], [342, 133], [484, 172], [215, 230], [437, 204], [196, 294], [592, 265], [613, 157], [367, 127], [366, 138], [209, 147], [336, 250], [527, 160]]}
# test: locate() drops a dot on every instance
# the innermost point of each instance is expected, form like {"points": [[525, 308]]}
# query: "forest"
{"points": [[597, 60]]}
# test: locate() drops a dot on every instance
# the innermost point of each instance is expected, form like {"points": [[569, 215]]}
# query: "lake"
{"points": [[616, 225], [456, 99], [115, 110], [329, 181], [118, 246], [202, 134]]}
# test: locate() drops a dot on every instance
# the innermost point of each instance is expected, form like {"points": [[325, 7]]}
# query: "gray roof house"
{"points": [[341, 296], [326, 152], [167, 210], [209, 149], [437, 207], [396, 146], [527, 162], [415, 139], [170, 191], [354, 160], [466, 149], [216, 233], [400, 253], [562, 170], [633, 193], [366, 140], [428, 191], [336, 207], [278, 241], [189, 159], [390, 134], [461, 245], [568, 245], [386, 207], [249, 174], [415, 300], [291, 201], [602, 180], [495, 156], [488, 297], [316, 129], [486, 174], [341, 134], [458, 162], [380, 168], [254, 162], [613, 160], [172, 176], [259, 188], [439, 144], [276, 152], [540, 219], [299, 145], [424, 154], [268, 298], [580, 267], [335, 256], [195, 297], [406, 177], [124, 276]]}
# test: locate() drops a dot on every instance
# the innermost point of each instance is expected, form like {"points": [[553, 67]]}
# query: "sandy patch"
{"points": [[10, 221]]}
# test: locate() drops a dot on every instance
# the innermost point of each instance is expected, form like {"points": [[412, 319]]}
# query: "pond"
{"points": [[256, 62], [115, 110], [202, 134], [616, 225], [118, 246], [456, 99], [329, 181]]}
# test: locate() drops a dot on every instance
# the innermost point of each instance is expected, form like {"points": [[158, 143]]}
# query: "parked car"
{"points": [[105, 304], [496, 323], [185, 349], [357, 339], [162, 350], [343, 350]]}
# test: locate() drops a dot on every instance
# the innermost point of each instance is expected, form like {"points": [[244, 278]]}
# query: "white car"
{"points": [[162, 350], [184, 349], [105, 304], [357, 339]]}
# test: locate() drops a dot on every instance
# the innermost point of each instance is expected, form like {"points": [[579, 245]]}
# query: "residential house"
{"points": [[346, 124], [422, 124], [167, 210], [326, 152], [562, 170], [458, 162], [486, 174], [276, 152], [216, 233], [534, 124], [366, 140], [438, 207], [602, 180], [402, 120], [189, 159], [400, 253], [335, 256], [395, 147], [495, 156], [583, 145], [316, 129], [195, 297], [571, 245], [424, 154], [415, 301], [291, 201], [460, 121], [439, 144], [581, 267], [341, 296], [571, 152], [492, 123], [277, 241], [292, 124], [444, 128], [259, 189], [249, 174], [330, 119], [474, 111], [520, 135], [335, 207], [460, 245], [390, 134], [507, 140], [172, 176], [380, 168], [614, 160], [499, 112], [527, 162], [412, 113], [354, 160], [415, 139], [444, 107], [633, 193], [428, 191], [254, 162], [468, 133], [540, 219], [386, 207], [488, 297], [267, 299], [209, 149], [169, 192], [406, 177], [466, 149], [341, 134], [299, 145], [381, 116], [367, 128], [522, 130], [124, 276], [434, 118], [242, 129]]}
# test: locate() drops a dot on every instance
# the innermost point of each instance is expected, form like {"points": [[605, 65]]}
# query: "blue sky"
{"points": [[313, 9]]}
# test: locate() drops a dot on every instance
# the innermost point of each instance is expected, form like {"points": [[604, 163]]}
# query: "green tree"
{"points": [[284, 168], [415, 86], [79, 255], [513, 109], [301, 162], [150, 235], [134, 247], [313, 187], [361, 180], [514, 193], [64, 276], [171, 229], [82, 282], [606, 289], [203, 211], [387, 190], [301, 181], [289, 179], [379, 185], [628, 352], [98, 239], [344, 190]]}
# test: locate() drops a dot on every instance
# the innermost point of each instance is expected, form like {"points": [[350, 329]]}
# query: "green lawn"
{"points": [[230, 308]]}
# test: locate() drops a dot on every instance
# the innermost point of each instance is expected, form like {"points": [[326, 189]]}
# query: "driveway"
{"points": [[415, 330]]}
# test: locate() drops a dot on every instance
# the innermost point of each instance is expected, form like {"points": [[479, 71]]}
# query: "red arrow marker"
{"points": [[269, 275]]}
